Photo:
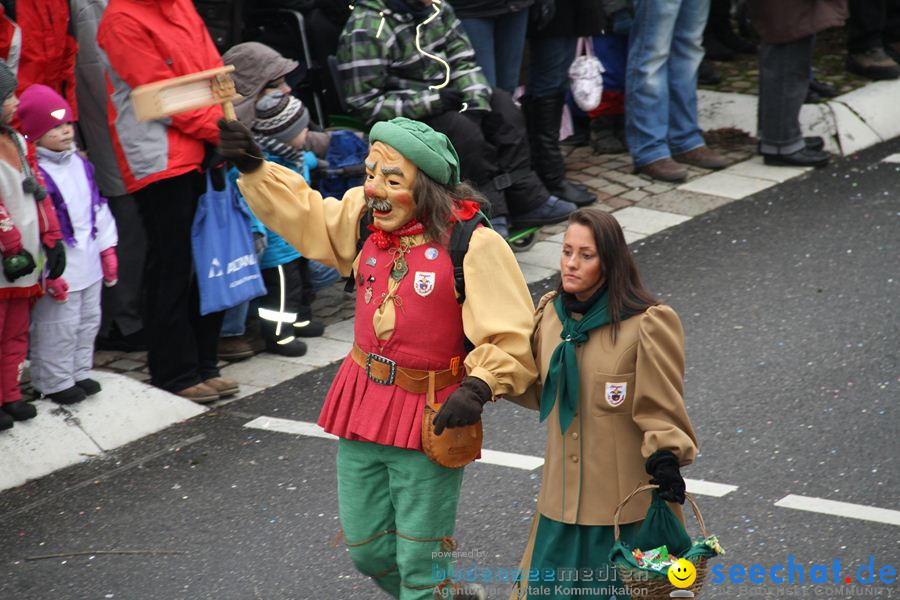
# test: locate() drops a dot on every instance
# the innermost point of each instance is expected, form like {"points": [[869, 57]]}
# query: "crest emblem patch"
{"points": [[423, 283], [615, 393]]}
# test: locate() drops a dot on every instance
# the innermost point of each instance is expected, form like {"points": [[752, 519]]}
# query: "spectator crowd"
{"points": [[97, 207]]}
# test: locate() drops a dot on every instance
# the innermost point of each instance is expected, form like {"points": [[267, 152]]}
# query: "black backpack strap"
{"points": [[459, 245], [364, 234]]}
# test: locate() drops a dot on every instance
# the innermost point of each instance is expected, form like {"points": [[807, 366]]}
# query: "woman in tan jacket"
{"points": [[611, 365]]}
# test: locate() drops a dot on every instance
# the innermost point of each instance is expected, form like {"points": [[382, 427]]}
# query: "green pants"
{"points": [[398, 512]]}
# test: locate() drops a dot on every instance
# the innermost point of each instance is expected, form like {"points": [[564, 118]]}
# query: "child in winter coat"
{"points": [[281, 126], [63, 328], [31, 249]]}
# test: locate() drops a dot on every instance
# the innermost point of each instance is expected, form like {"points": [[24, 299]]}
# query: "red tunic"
{"points": [[428, 334]]}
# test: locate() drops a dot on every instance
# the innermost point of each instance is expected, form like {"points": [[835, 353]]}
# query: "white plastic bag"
{"points": [[586, 76]]}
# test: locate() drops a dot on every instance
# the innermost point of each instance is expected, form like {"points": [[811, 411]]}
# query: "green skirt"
{"points": [[565, 561]]}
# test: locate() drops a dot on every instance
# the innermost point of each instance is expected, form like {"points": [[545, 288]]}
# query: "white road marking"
{"points": [[510, 459], [524, 462], [893, 158], [840, 509], [708, 488], [289, 426]]}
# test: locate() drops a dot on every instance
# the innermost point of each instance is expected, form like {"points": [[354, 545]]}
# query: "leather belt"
{"points": [[384, 371]]}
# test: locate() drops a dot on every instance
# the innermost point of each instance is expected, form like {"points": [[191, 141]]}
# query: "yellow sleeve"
{"points": [[497, 316], [322, 229], [658, 408], [531, 398]]}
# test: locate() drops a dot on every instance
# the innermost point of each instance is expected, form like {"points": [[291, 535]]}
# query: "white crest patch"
{"points": [[423, 283], [58, 114], [615, 393]]}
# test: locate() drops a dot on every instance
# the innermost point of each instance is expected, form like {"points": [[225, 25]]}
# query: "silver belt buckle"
{"points": [[386, 361]]}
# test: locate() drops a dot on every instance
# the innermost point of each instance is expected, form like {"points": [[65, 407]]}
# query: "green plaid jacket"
{"points": [[385, 76]]}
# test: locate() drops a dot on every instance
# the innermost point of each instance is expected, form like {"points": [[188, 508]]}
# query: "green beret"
{"points": [[428, 149]]}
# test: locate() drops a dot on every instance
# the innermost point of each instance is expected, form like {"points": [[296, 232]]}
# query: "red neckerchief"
{"points": [[385, 240], [465, 210]]}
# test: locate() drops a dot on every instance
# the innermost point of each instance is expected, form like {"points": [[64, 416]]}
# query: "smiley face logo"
{"points": [[682, 573]]}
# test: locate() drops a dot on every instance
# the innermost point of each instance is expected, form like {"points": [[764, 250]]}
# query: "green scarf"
{"points": [[563, 378]]}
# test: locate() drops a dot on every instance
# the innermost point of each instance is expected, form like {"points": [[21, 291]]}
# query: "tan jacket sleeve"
{"points": [[532, 396], [322, 229], [658, 408], [497, 316]]}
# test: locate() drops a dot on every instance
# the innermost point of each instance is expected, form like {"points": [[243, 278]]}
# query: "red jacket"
{"points": [[10, 41], [147, 41], [48, 48]]}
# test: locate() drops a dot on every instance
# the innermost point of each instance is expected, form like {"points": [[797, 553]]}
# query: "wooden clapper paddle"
{"points": [[188, 92]]}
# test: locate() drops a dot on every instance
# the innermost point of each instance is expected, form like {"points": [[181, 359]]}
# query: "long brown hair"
{"points": [[434, 204], [626, 292]]}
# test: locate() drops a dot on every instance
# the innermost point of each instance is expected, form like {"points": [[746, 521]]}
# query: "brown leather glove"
{"points": [[464, 405], [237, 145]]}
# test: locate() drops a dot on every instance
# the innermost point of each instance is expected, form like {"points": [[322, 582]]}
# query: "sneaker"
{"points": [[500, 224], [67, 396], [554, 210], [20, 410], [702, 157], [235, 348], [814, 142], [664, 169], [873, 64], [308, 329], [573, 192], [224, 387], [89, 386], [289, 346], [6, 421], [805, 157], [199, 393]]}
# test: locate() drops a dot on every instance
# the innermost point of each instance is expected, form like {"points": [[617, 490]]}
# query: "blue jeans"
{"points": [[549, 60], [235, 321], [499, 43], [664, 53]]}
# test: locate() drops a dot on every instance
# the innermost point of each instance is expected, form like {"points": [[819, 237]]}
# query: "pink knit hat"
{"points": [[40, 110]]}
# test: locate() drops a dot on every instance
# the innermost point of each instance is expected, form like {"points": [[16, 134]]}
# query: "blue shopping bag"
{"points": [[224, 255]]}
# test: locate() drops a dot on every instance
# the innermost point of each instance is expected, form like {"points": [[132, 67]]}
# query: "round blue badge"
{"points": [[431, 253]]}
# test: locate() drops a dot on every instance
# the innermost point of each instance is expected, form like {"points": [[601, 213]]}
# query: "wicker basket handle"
{"points": [[644, 488]]}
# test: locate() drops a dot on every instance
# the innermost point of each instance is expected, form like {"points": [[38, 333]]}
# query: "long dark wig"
{"points": [[626, 292], [435, 202]]}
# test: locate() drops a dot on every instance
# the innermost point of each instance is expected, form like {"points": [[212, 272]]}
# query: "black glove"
{"points": [[56, 260], [236, 144], [451, 99], [464, 405], [663, 467], [542, 12], [18, 265]]}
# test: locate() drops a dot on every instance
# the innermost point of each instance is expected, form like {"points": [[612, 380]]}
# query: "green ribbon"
{"points": [[563, 378]]}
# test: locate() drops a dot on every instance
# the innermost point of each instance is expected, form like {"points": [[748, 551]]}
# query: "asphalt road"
{"points": [[789, 300]]}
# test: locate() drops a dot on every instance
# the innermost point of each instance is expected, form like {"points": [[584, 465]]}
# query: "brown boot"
{"points": [[224, 387], [874, 64], [702, 157], [235, 348], [664, 169], [200, 393]]}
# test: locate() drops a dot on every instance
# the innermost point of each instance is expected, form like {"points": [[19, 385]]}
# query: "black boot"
{"points": [[68, 396], [20, 410], [6, 421], [282, 341], [543, 116], [605, 139], [581, 133], [90, 386]]}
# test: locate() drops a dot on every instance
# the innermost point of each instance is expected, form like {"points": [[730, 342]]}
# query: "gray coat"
{"points": [[90, 81], [780, 22]]}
